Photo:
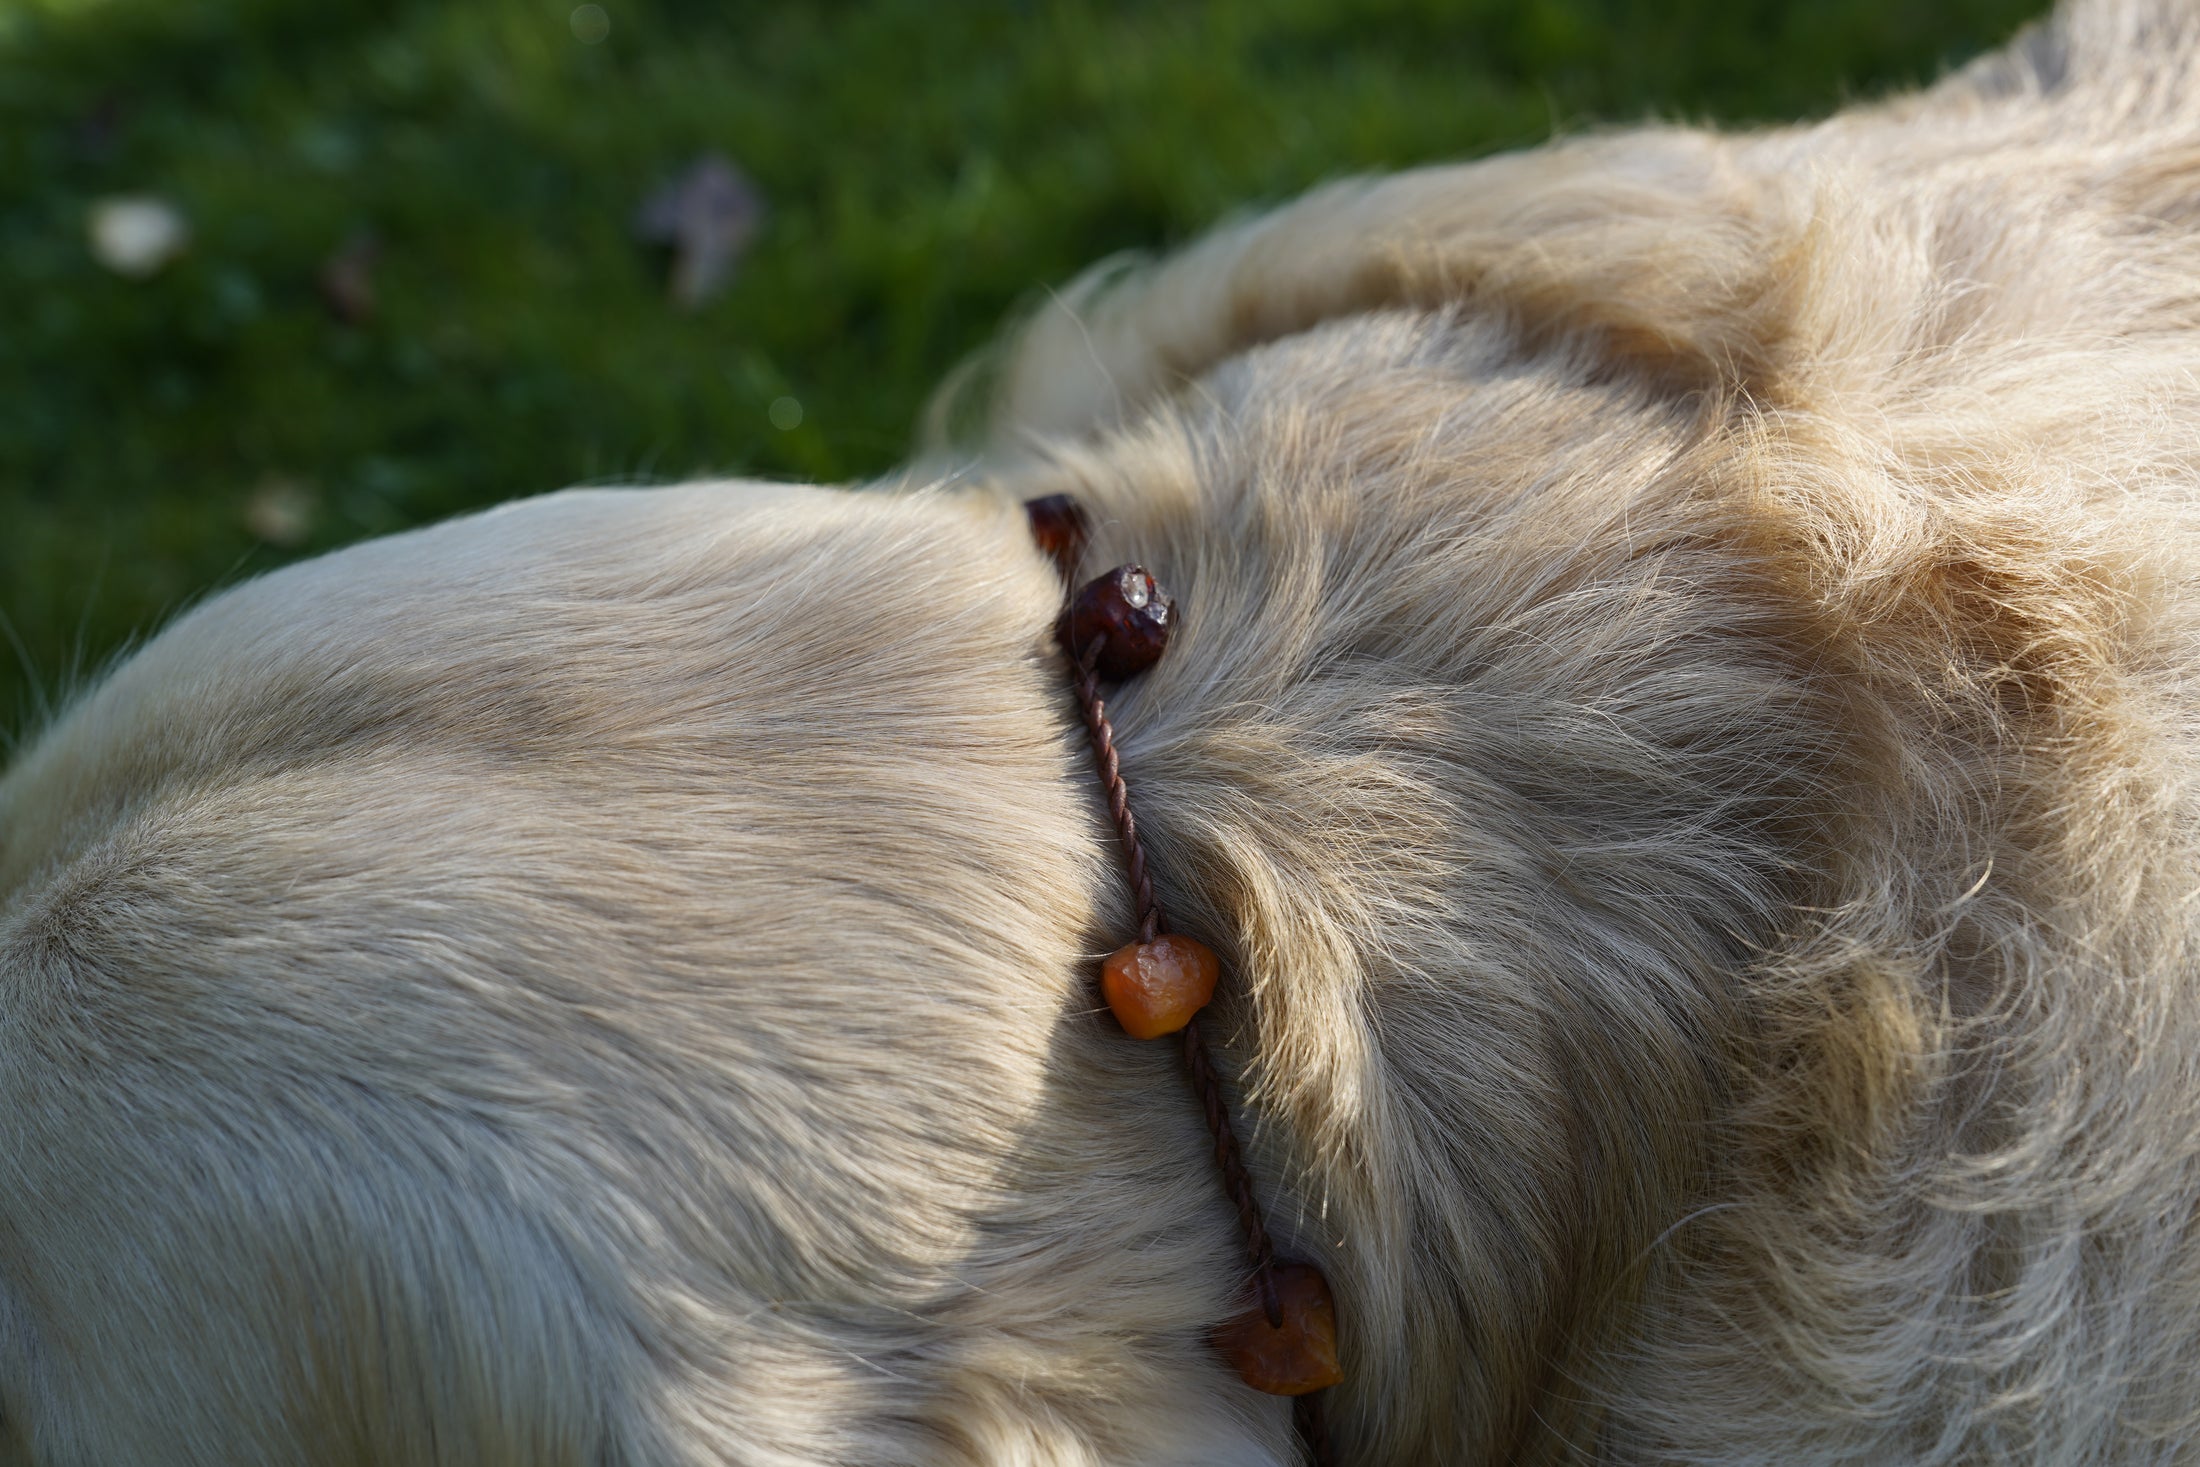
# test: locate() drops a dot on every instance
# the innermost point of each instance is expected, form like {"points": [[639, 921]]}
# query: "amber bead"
{"points": [[1059, 526], [1155, 987], [1293, 1358], [1127, 614]]}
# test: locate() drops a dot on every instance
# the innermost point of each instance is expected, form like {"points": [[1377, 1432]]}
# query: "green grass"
{"points": [[928, 164]]}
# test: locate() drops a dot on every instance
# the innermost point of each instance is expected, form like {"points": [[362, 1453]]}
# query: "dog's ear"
{"points": [[1651, 238], [2119, 75], [1737, 264], [2135, 56]]}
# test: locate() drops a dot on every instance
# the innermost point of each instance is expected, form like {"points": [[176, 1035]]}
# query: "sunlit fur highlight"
{"points": [[1680, 731]]}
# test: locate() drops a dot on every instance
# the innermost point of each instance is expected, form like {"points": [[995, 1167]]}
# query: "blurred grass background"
{"points": [[926, 165]]}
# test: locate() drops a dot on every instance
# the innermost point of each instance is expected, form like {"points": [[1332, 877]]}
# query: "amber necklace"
{"points": [[1114, 628]]}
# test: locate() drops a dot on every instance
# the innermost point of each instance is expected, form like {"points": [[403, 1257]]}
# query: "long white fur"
{"points": [[1681, 730]]}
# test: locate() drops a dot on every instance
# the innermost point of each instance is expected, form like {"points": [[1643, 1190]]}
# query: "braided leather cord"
{"points": [[1199, 1064]]}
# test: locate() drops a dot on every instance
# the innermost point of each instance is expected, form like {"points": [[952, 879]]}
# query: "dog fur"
{"points": [[1681, 731]]}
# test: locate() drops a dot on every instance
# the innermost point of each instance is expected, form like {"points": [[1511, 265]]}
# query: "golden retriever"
{"points": [[1683, 731]]}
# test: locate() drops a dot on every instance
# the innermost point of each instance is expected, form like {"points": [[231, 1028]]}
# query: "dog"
{"points": [[1682, 732]]}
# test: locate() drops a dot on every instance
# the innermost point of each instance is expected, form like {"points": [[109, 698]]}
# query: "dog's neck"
{"points": [[1482, 826]]}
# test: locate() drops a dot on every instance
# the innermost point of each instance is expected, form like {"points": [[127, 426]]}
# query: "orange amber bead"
{"points": [[1155, 987], [1300, 1355]]}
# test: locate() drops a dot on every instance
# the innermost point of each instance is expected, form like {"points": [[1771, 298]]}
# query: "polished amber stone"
{"points": [[1155, 987], [1296, 1357], [1127, 615]]}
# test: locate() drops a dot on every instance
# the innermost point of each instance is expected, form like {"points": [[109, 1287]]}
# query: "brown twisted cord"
{"points": [[1235, 1179], [1206, 1084], [1102, 733], [1307, 1414], [1313, 1424]]}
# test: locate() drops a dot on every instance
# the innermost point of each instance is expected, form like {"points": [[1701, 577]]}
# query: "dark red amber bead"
{"points": [[1293, 1358], [1129, 617], [1059, 525]]}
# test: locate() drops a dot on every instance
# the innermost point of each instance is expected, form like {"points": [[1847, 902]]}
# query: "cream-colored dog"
{"points": [[1684, 729]]}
